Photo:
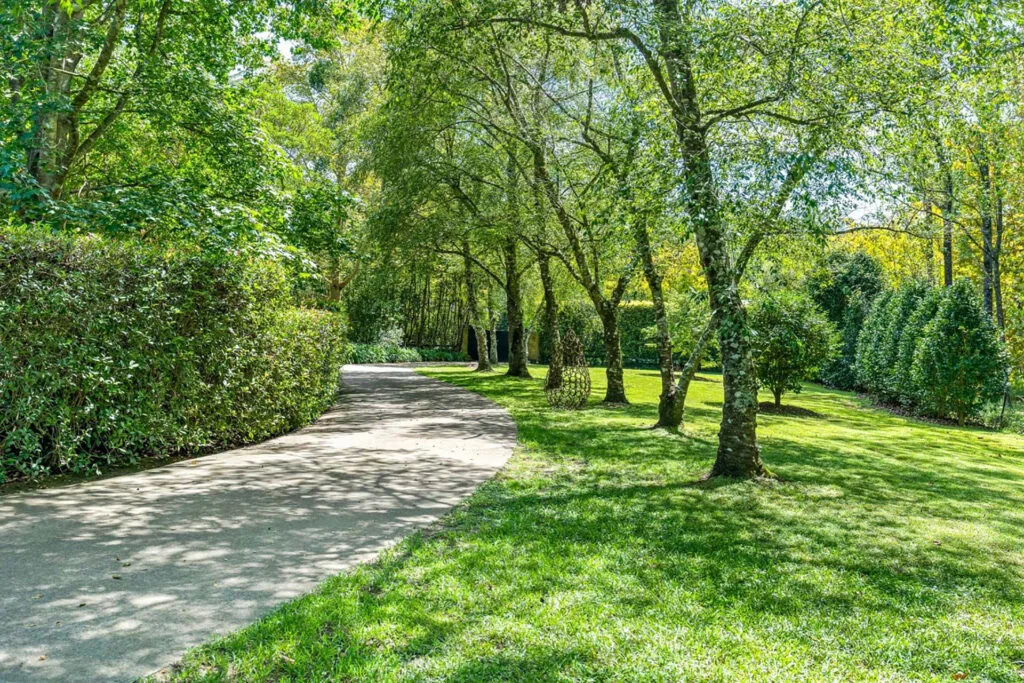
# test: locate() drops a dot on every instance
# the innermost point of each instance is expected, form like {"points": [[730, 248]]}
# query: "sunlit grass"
{"points": [[888, 549]]}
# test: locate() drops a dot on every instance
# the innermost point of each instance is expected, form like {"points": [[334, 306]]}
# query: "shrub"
{"points": [[392, 353], [114, 351], [845, 288], [791, 339], [878, 348], [869, 370], [907, 391], [443, 356], [959, 362]]}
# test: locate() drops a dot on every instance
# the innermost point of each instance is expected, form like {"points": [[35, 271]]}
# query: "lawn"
{"points": [[888, 549]]}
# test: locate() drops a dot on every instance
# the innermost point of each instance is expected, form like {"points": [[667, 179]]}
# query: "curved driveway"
{"points": [[113, 579]]}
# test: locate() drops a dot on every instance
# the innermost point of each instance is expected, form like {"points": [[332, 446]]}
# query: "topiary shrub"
{"points": [[906, 388], [878, 347], [791, 338], [845, 287], [959, 362], [114, 351]]}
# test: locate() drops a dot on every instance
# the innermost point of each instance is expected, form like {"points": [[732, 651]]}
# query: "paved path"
{"points": [[215, 543]]}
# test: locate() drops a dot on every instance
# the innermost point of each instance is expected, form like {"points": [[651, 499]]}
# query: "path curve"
{"points": [[215, 543]]}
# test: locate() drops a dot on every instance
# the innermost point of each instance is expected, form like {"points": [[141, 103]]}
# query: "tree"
{"points": [[959, 362], [792, 339], [844, 287], [756, 75], [85, 83]]}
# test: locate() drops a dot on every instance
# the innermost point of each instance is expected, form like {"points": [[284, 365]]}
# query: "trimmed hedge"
{"points": [[392, 353], [636, 330], [115, 351], [934, 351]]}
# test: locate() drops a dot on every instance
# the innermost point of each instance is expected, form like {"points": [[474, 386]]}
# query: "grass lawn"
{"points": [[889, 550]]}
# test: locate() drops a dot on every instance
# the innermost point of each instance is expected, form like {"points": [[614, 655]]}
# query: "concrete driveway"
{"points": [[113, 579]]}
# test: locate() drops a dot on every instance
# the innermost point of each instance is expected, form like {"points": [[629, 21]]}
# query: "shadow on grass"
{"points": [[595, 556]]}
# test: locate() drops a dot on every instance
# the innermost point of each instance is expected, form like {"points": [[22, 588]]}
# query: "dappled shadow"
{"points": [[872, 529], [112, 579]]}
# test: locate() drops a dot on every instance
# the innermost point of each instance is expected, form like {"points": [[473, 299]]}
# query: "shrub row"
{"points": [[114, 351], [392, 353], [636, 331], [934, 351]]}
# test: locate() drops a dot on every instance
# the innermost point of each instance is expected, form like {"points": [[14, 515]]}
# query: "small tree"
{"points": [[792, 339], [959, 362]]}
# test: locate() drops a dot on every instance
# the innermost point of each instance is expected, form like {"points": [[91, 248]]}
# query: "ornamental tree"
{"points": [[791, 339]]}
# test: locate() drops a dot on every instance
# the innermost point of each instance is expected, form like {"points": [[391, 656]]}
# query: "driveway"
{"points": [[114, 579]]}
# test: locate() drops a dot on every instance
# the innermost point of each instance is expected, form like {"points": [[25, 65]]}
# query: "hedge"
{"points": [[115, 351], [636, 330], [392, 353], [934, 351]]}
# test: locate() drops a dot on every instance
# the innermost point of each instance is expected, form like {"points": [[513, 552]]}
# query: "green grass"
{"points": [[889, 549]]}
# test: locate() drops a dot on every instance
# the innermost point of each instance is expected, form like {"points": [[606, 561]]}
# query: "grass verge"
{"points": [[890, 549]]}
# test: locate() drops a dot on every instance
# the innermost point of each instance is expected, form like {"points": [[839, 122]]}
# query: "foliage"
{"points": [[906, 388], [844, 287], [443, 356], [959, 362], [636, 325], [934, 351], [792, 339], [373, 304], [115, 351], [586, 561], [383, 353], [878, 347], [393, 353]]}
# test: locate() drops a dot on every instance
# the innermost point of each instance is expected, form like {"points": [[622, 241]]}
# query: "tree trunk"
{"points": [[554, 378], [997, 285], [667, 399], [986, 237], [777, 393], [947, 214], [687, 374], [616, 391], [517, 360], [483, 354], [492, 342], [483, 359], [738, 451]]}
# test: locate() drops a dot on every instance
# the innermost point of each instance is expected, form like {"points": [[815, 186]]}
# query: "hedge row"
{"points": [[636, 331], [392, 353], [115, 351], [934, 351]]}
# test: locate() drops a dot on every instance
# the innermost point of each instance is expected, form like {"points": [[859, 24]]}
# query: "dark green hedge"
{"points": [[636, 329], [934, 351], [392, 353], [114, 351]]}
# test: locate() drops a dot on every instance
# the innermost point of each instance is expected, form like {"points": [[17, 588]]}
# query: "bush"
{"points": [[878, 348], [845, 288], [114, 351], [906, 388], [959, 362], [443, 356], [791, 338], [392, 353]]}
